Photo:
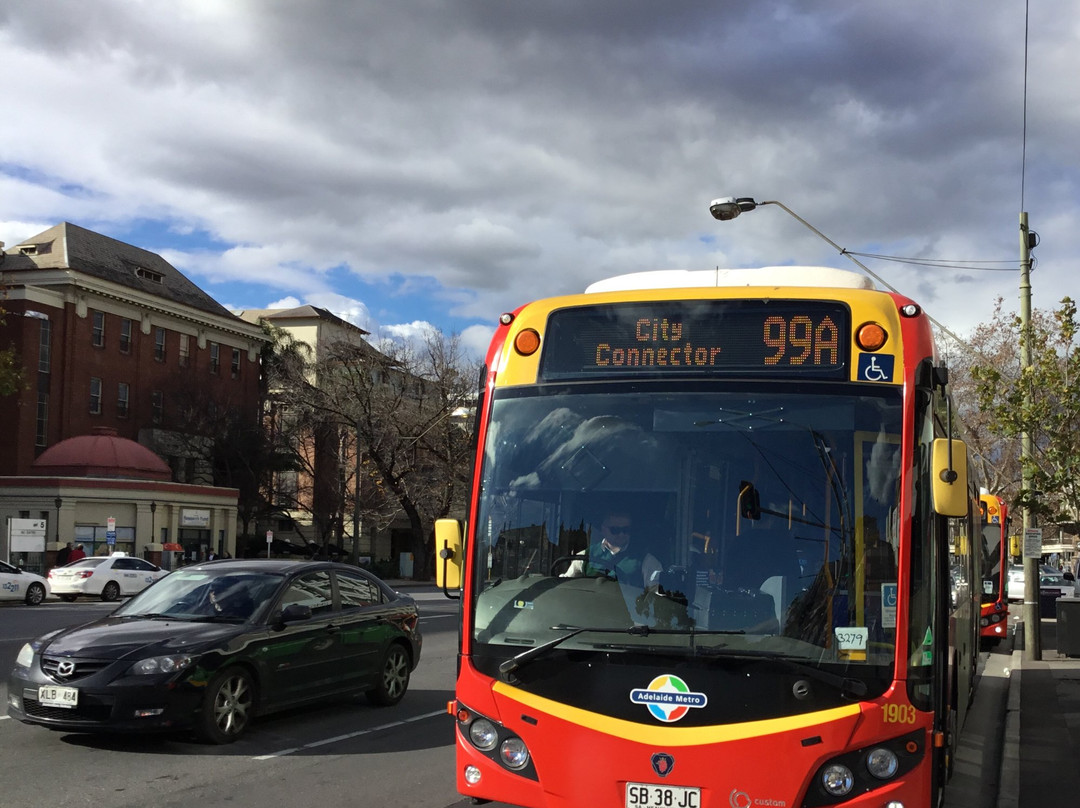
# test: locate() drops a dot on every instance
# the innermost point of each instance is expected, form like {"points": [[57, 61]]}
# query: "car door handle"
{"points": [[332, 629]]}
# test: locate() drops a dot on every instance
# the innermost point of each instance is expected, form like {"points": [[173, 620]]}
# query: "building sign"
{"points": [[27, 535], [194, 517]]}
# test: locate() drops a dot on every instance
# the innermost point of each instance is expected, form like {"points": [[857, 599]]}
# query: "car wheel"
{"points": [[393, 677], [111, 591], [68, 598], [228, 706], [35, 593]]}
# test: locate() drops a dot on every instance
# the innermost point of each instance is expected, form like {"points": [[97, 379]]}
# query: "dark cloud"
{"points": [[507, 150]]}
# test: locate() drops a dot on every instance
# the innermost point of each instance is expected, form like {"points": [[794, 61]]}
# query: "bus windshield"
{"points": [[680, 518]]}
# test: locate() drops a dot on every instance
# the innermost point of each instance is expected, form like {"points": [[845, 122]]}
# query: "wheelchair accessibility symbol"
{"points": [[876, 367]]}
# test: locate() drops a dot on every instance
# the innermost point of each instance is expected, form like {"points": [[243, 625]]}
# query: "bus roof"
{"points": [[762, 276]]}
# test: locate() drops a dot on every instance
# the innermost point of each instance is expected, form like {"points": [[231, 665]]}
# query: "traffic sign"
{"points": [[1033, 542], [110, 530]]}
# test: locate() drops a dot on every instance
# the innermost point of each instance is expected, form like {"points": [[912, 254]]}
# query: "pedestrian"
{"points": [[77, 554], [63, 556]]}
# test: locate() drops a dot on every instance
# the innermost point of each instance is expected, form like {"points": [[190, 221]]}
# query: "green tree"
{"points": [[12, 373], [1044, 401]]}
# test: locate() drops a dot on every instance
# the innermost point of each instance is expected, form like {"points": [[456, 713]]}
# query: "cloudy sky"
{"points": [[413, 162]]}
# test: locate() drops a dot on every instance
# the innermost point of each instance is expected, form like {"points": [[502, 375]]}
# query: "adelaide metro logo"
{"points": [[668, 698]]}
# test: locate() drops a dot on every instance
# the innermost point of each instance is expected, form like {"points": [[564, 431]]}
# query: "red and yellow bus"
{"points": [[994, 616], [716, 551]]}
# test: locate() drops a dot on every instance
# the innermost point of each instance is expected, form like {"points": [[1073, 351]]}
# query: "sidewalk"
{"points": [[1041, 755]]}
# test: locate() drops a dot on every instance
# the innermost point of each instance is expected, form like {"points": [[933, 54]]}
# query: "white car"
{"points": [[17, 584], [107, 577], [1052, 582]]}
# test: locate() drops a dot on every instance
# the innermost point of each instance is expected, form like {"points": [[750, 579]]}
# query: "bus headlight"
{"points": [[483, 734], [515, 755], [837, 780], [882, 763]]}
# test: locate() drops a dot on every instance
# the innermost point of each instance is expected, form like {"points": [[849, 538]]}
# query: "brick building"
{"points": [[113, 336]]}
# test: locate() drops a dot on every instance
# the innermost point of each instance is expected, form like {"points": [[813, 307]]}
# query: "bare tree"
{"points": [[394, 418]]}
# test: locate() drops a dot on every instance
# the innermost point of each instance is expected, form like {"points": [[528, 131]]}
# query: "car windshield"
{"points": [[204, 594], [764, 522]]}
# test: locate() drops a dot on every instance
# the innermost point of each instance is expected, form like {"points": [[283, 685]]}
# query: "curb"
{"points": [[1009, 779]]}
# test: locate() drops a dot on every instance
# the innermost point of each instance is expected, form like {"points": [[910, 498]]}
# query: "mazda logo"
{"points": [[65, 668]]}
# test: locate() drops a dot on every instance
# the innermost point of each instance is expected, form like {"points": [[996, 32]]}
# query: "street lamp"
{"points": [[58, 502], [153, 522], [728, 207]]}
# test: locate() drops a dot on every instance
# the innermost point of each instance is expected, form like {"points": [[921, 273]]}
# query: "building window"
{"points": [[41, 435], [149, 275], [185, 350], [159, 344], [215, 357], [157, 406], [125, 336], [98, 329], [95, 396], [45, 347], [286, 487], [236, 363], [122, 394]]}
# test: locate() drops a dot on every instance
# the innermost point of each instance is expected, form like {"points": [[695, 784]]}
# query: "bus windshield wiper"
{"points": [[508, 666], [847, 685]]}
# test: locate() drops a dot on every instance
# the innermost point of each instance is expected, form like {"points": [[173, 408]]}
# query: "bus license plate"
{"points": [[51, 696], [650, 795]]}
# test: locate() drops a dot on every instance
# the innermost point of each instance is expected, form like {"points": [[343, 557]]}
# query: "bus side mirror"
{"points": [[449, 559], [948, 469]]}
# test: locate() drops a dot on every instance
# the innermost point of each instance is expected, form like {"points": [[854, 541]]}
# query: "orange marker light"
{"points": [[527, 342], [871, 337]]}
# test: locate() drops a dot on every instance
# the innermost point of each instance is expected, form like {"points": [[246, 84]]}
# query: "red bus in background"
{"points": [[720, 550], [994, 615]]}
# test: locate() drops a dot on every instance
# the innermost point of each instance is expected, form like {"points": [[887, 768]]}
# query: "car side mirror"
{"points": [[1069, 576], [294, 613]]}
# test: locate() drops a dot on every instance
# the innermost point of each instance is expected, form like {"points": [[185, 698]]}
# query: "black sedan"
{"points": [[212, 645]]}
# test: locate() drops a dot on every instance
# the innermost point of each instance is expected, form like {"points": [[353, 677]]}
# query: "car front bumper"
{"points": [[125, 705]]}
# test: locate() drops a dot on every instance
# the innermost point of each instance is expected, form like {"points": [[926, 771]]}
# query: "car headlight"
{"points": [[161, 664], [26, 656]]}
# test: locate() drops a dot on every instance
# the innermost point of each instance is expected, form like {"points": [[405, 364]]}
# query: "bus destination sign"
{"points": [[697, 337]]}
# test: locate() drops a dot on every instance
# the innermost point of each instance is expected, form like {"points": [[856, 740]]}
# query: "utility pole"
{"points": [[1032, 637]]}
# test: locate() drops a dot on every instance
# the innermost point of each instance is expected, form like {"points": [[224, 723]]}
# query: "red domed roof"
{"points": [[101, 454]]}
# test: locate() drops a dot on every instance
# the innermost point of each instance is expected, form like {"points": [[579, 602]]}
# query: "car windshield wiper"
{"points": [[847, 685], [507, 668]]}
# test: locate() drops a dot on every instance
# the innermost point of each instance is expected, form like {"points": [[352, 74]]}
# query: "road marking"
{"points": [[357, 734]]}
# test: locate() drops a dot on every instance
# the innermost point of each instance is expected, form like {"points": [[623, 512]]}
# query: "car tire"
{"points": [[35, 594], [68, 598], [228, 706], [393, 677], [110, 592]]}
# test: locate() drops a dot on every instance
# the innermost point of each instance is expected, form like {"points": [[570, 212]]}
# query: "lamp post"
{"points": [[58, 502], [728, 207], [153, 522], [1030, 612]]}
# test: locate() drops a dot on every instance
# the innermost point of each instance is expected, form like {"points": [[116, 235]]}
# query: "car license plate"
{"points": [[650, 795], [52, 696]]}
